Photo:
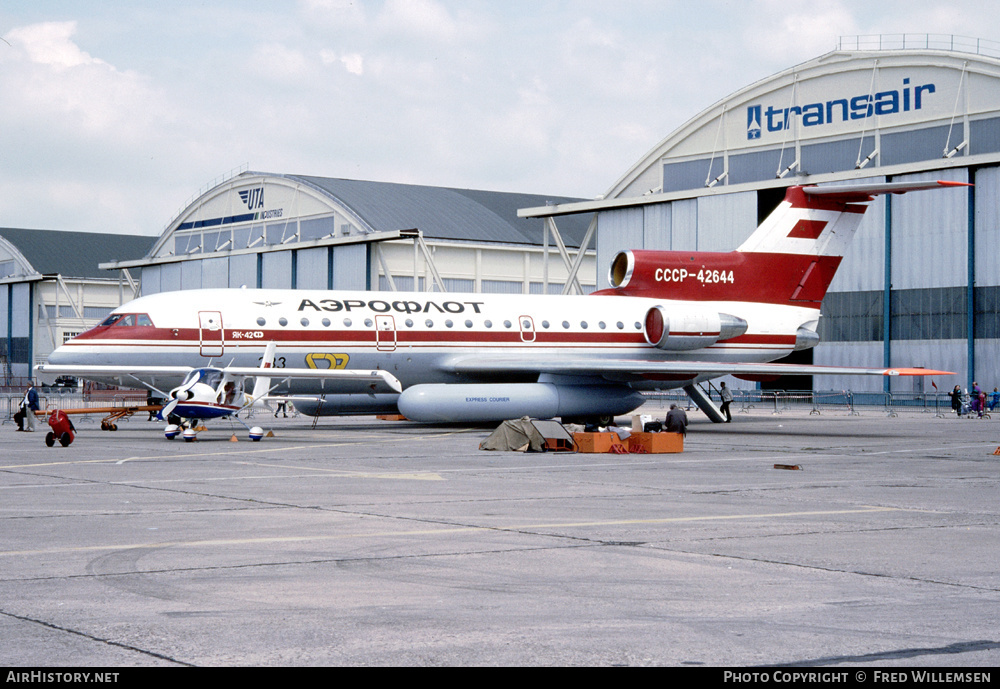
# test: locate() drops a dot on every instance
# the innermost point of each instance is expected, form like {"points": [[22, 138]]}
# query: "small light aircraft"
{"points": [[208, 392], [672, 319]]}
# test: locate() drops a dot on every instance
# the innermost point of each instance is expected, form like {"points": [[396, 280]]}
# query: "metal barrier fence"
{"points": [[832, 401], [11, 402], [771, 401]]}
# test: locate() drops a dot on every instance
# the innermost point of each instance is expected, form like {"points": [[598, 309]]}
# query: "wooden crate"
{"points": [[656, 443], [597, 442]]}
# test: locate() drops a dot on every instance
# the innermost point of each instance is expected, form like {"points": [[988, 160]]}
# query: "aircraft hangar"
{"points": [[920, 284], [51, 289], [269, 230]]}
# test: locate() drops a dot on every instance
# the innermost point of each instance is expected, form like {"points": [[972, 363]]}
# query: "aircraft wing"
{"points": [[377, 376], [638, 369], [84, 371], [124, 375], [133, 374]]}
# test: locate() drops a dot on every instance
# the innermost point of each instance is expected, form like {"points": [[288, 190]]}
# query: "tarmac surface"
{"points": [[365, 542]]}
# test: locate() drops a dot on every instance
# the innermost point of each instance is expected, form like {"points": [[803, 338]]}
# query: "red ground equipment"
{"points": [[62, 429]]}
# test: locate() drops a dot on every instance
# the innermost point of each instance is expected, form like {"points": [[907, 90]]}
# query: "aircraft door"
{"points": [[527, 328], [210, 333], [385, 333]]}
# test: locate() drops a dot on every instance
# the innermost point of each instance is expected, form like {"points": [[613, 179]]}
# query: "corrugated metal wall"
{"points": [[726, 220], [312, 270], [930, 234], [617, 230], [350, 267], [20, 329], [215, 272], [276, 270], [987, 194], [657, 233], [863, 267], [684, 225], [867, 354], [243, 270]]}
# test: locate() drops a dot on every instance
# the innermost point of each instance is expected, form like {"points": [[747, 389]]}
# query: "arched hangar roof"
{"points": [[259, 209], [877, 111]]}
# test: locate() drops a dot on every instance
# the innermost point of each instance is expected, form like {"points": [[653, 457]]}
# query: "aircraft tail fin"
{"points": [[791, 258]]}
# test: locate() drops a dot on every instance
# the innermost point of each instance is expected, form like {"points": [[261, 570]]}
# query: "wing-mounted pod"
{"points": [[688, 330]]}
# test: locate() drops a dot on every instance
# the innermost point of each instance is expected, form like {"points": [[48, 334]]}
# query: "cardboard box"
{"points": [[597, 442], [656, 443]]}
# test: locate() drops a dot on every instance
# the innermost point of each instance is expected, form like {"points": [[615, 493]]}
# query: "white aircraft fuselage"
{"points": [[671, 319]]}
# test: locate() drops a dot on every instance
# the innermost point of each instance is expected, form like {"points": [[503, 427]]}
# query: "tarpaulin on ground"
{"points": [[516, 435]]}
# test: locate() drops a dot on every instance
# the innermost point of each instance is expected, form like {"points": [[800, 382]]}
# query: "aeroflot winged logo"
{"points": [[776, 119]]}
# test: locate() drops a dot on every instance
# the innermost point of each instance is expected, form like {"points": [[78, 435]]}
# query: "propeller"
{"points": [[176, 395], [168, 409]]}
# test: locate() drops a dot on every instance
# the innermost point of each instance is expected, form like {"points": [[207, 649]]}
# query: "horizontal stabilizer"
{"points": [[859, 193]]}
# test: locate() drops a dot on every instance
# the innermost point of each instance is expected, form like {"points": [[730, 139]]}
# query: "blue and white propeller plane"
{"points": [[672, 319], [208, 392]]}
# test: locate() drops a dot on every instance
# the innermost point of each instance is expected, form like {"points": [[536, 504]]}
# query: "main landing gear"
{"points": [[190, 434]]}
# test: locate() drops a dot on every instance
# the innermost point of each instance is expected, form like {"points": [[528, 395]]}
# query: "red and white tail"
{"points": [[790, 258], [821, 221]]}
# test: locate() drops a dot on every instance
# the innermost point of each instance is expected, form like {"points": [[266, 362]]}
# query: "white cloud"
{"points": [[280, 63], [116, 118], [354, 63], [783, 33], [425, 19], [50, 43]]}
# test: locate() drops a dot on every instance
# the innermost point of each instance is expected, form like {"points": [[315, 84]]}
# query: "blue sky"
{"points": [[115, 114]]}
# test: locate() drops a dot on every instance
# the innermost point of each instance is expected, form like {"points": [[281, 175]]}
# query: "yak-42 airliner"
{"points": [[670, 319]]}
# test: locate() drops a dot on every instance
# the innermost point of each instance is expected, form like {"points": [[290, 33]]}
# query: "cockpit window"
{"points": [[208, 376], [126, 320], [211, 377]]}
